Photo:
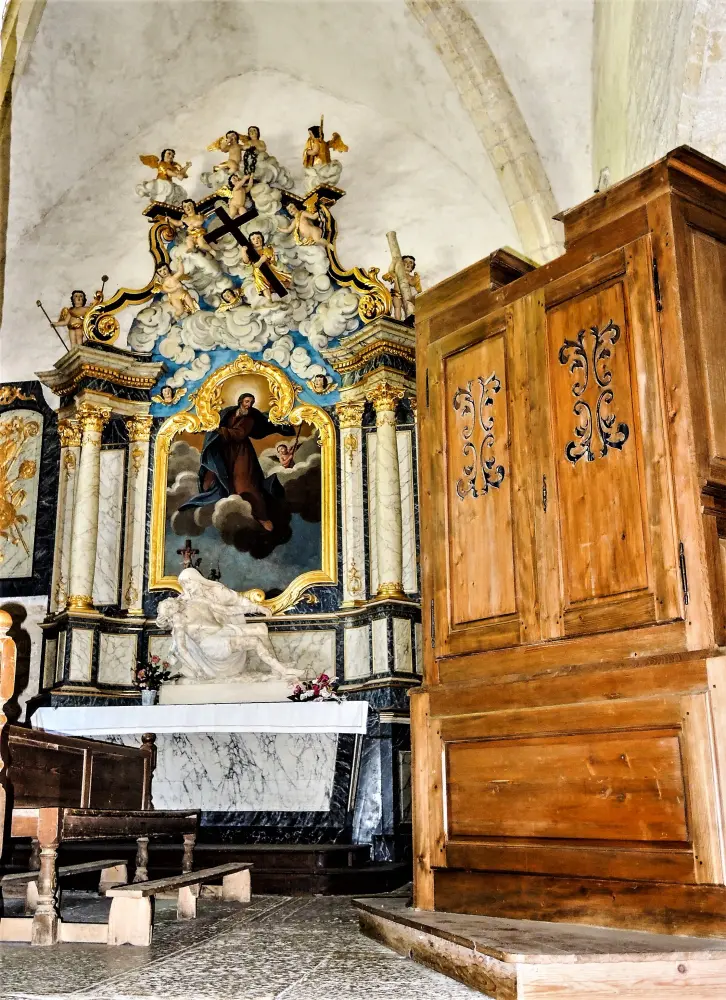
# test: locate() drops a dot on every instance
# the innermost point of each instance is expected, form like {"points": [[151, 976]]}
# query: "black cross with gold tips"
{"points": [[234, 228]]}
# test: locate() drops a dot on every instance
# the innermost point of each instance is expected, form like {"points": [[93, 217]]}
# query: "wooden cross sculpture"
{"points": [[234, 227]]}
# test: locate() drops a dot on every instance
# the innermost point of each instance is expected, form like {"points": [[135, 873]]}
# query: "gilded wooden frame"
{"points": [[205, 417]]}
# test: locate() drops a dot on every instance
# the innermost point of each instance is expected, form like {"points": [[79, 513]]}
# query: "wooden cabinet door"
{"points": [[610, 513], [482, 526]]}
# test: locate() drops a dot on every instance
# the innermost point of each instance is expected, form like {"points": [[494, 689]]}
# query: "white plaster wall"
{"points": [[701, 121], [641, 51], [107, 81], [545, 53]]}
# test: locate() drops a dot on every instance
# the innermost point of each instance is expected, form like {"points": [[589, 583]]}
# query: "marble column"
{"points": [[350, 417], [139, 431], [384, 398], [69, 433], [91, 420]]}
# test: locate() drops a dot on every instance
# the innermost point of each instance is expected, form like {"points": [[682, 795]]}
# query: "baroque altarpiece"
{"points": [[248, 327]]}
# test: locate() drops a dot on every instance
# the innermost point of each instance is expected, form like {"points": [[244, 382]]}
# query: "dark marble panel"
{"points": [[38, 582]]}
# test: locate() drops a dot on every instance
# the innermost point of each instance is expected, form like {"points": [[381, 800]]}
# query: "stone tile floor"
{"points": [[277, 948]]}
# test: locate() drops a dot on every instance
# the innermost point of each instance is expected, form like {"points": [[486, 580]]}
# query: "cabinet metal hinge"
{"points": [[433, 625], [544, 494], [684, 572], [427, 388], [656, 287]]}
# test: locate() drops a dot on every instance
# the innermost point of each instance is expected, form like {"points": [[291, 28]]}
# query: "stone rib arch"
{"points": [[485, 94]]}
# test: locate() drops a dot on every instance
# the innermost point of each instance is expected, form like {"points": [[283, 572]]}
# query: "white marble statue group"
{"points": [[212, 638]]}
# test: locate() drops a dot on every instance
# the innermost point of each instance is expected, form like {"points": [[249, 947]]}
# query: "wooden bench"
{"points": [[113, 872], [73, 788], [131, 918]]}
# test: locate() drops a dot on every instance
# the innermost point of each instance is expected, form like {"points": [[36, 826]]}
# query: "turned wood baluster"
{"points": [[46, 917], [188, 859], [142, 860]]}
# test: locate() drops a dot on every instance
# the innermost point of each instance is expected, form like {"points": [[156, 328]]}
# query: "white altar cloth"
{"points": [[267, 717]]}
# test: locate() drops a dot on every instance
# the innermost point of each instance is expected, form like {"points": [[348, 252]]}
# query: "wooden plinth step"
{"points": [[534, 960]]}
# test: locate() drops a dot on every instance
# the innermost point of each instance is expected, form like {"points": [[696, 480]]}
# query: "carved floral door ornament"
{"points": [[481, 472], [583, 361]]}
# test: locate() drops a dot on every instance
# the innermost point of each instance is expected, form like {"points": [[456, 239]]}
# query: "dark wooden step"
{"points": [[278, 869]]}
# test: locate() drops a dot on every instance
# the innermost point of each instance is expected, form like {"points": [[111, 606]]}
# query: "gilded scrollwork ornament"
{"points": [[139, 427], [92, 418], [349, 414], [69, 432], [384, 397]]}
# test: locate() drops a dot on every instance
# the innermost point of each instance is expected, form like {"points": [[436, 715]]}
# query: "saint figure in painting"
{"points": [[229, 463]]}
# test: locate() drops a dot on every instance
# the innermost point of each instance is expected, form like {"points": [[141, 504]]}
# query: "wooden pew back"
{"points": [[47, 769]]}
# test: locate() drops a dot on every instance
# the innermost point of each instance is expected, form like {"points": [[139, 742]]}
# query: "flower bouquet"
{"points": [[150, 676], [321, 689]]}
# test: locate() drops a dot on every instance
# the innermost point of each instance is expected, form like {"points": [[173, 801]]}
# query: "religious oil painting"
{"points": [[248, 487]]}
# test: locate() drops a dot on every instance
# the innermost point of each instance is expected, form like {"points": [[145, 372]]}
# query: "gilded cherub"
{"points": [[230, 144], [317, 148], [168, 396], [164, 188], [231, 297], [192, 221], [73, 316], [242, 149], [236, 190], [266, 255], [304, 225], [170, 284]]}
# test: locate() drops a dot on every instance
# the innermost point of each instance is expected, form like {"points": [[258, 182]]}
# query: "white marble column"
{"points": [[139, 430], [91, 420], [350, 416], [69, 433], [389, 548]]}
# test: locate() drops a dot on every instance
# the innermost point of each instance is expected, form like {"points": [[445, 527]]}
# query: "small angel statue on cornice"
{"points": [[164, 187], [320, 168]]}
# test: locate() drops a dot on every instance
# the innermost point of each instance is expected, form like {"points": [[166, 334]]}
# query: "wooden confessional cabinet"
{"points": [[570, 738]]}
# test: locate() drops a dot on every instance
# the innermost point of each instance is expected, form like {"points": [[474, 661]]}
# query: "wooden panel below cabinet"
{"points": [[610, 615], [575, 858], [661, 907], [584, 683], [634, 644], [601, 786]]}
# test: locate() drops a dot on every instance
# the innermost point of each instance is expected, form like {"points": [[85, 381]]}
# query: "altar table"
{"points": [[263, 717], [233, 762]]}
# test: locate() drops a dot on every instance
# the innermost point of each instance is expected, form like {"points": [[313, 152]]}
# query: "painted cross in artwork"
{"points": [[248, 493]]}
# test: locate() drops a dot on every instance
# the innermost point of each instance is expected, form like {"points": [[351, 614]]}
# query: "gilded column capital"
{"points": [[92, 417], [349, 414], [69, 432], [384, 396], [139, 427]]}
